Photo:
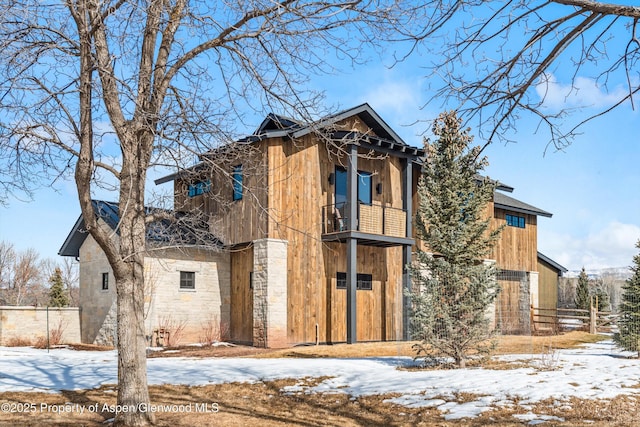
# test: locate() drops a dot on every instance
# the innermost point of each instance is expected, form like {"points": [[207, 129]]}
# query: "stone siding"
{"points": [[31, 323], [96, 303], [166, 305], [194, 310], [270, 293]]}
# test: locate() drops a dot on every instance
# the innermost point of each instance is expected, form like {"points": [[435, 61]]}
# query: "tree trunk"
{"points": [[133, 392]]}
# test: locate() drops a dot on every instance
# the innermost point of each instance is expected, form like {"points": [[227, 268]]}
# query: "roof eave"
{"points": [[537, 212], [551, 262]]}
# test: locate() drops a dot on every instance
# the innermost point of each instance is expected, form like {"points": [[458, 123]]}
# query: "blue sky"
{"points": [[590, 187]]}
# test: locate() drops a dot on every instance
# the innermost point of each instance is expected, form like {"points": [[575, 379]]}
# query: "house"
{"points": [[515, 254], [316, 223], [186, 288], [547, 296]]}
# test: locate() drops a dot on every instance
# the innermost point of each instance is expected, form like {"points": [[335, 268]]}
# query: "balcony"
{"points": [[376, 225]]}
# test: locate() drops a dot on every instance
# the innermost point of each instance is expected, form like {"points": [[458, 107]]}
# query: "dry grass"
{"points": [[507, 344], [265, 403]]}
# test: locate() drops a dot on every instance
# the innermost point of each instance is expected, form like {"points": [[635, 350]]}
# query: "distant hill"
{"points": [[619, 273]]}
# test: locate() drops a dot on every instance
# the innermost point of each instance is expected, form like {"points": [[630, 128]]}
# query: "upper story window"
{"points": [[516, 221], [236, 177], [200, 187], [365, 186], [105, 281]]}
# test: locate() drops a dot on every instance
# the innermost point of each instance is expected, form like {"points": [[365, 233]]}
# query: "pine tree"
{"points": [[583, 296], [600, 296], [57, 293], [628, 335], [453, 288]]}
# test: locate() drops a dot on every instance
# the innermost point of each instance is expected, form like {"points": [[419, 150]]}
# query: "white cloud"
{"points": [[397, 96], [611, 246], [583, 92]]}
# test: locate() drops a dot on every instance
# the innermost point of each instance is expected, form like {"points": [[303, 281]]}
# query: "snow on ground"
{"points": [[595, 371]]}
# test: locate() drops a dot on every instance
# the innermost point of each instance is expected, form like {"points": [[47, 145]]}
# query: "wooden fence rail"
{"points": [[557, 319]]}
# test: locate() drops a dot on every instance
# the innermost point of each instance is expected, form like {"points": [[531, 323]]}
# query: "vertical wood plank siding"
{"points": [[241, 327]]}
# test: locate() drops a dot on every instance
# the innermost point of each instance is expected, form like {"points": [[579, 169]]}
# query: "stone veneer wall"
{"points": [[166, 305], [196, 310], [96, 303], [270, 293], [31, 323]]}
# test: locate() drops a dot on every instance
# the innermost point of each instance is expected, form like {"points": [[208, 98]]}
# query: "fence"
{"points": [[561, 319], [30, 324]]}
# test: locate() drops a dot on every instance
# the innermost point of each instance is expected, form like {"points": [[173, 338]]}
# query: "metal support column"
{"points": [[352, 244], [407, 204]]}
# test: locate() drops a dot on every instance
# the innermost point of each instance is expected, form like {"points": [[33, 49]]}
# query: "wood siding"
{"points": [[517, 248], [298, 189], [241, 325], [379, 310], [548, 286], [232, 221]]}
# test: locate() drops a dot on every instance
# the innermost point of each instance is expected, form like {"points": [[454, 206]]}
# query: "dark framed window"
{"points": [[365, 186], [105, 281], [363, 281], [198, 188], [341, 280], [516, 221], [236, 177], [187, 280]]}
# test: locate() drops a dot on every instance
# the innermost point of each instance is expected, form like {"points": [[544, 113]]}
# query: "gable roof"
{"points": [[368, 116], [277, 126], [180, 231], [503, 201], [384, 138], [552, 263]]}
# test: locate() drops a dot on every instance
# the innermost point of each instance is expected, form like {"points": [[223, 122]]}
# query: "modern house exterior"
{"points": [[313, 235]]}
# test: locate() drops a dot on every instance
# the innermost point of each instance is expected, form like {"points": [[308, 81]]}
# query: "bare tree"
{"points": [[7, 259], [499, 61], [107, 90], [20, 276]]}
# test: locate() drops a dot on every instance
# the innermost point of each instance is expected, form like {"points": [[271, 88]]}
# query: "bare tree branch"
{"points": [[502, 58]]}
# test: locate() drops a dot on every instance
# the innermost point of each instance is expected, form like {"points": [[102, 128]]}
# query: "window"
{"points": [[236, 176], [199, 188], [363, 281], [515, 221], [105, 281], [187, 280], [341, 280], [365, 187]]}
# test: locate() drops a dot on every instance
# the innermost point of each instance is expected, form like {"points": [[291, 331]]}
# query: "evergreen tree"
{"points": [[583, 296], [453, 288], [628, 335], [57, 293], [600, 296]]}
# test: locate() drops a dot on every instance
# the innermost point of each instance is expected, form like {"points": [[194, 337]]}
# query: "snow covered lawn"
{"points": [[594, 371]]}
